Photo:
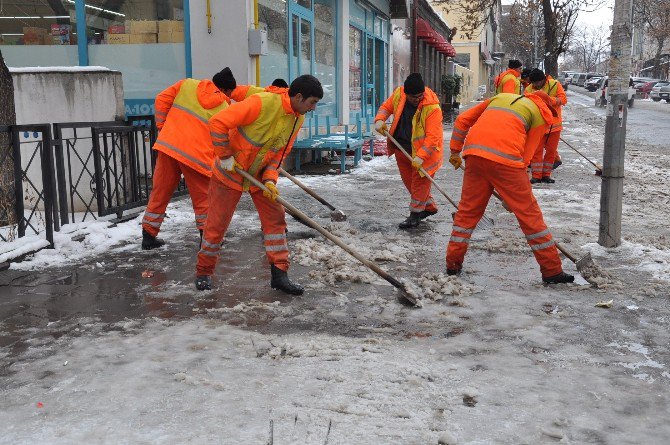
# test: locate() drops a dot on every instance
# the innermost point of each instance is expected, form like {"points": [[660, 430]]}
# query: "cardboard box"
{"points": [[34, 36], [170, 26], [118, 39], [143, 38], [171, 37], [142, 27], [116, 29]]}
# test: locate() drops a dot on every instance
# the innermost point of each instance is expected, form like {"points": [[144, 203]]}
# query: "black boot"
{"points": [[548, 180], [426, 213], [557, 163], [203, 282], [150, 242], [559, 278], [280, 281], [453, 272], [412, 221], [535, 180]]}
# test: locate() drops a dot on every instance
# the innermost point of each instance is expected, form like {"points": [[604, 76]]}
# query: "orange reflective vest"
{"points": [[505, 129], [554, 89], [259, 132], [427, 135], [508, 82], [241, 92], [183, 111]]}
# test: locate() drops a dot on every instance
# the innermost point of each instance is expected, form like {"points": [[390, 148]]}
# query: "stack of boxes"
{"points": [[36, 36], [146, 31], [170, 31]]}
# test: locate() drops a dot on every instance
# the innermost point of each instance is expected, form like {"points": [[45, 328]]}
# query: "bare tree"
{"points": [[588, 46], [7, 117], [517, 34], [653, 16], [474, 14]]}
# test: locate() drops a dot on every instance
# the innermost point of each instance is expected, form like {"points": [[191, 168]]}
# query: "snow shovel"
{"points": [[335, 214], [599, 169], [313, 224], [485, 222]]}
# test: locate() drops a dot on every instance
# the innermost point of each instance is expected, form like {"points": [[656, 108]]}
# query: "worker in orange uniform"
{"points": [[241, 92], [256, 135], [417, 126], [542, 164], [497, 138], [523, 79], [184, 147], [509, 81]]}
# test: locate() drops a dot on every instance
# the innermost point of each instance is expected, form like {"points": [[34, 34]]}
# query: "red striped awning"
{"points": [[425, 32]]}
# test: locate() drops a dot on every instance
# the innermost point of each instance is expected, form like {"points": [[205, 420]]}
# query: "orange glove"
{"points": [[455, 160], [381, 127], [271, 191]]}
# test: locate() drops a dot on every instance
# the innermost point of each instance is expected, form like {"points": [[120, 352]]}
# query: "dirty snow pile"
{"points": [[334, 265], [437, 286], [503, 241]]}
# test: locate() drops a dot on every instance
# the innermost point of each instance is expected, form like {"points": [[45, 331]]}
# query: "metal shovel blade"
{"points": [[338, 216], [585, 263]]}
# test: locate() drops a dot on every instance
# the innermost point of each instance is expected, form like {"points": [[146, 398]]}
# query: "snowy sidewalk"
{"points": [[117, 347]]}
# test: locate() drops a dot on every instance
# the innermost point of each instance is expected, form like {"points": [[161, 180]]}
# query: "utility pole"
{"points": [[611, 193]]}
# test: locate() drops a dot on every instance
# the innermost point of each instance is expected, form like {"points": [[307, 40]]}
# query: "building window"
{"points": [[273, 17], [355, 69], [38, 33], [144, 39], [325, 54]]}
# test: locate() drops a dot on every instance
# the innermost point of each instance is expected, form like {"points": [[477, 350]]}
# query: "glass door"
{"points": [[302, 38], [370, 71], [355, 70]]}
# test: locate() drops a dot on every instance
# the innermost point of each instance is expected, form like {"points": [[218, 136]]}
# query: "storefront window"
{"points": [[355, 69], [38, 33], [305, 3], [325, 54], [273, 18], [144, 39], [356, 14]]}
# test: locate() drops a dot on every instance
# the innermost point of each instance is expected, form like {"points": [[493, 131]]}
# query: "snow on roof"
{"points": [[58, 69]]}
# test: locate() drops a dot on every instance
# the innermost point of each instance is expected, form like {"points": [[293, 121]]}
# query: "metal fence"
{"points": [[88, 170]]}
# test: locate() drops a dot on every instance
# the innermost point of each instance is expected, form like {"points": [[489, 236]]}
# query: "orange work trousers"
{"points": [[222, 203], [542, 164], [418, 187], [480, 178], [167, 175]]}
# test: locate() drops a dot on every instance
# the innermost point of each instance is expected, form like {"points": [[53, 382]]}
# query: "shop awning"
{"points": [[425, 32]]}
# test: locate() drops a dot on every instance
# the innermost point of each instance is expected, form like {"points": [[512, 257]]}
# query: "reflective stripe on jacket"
{"points": [[427, 135], [508, 82], [554, 89], [505, 129], [183, 111], [259, 132]]}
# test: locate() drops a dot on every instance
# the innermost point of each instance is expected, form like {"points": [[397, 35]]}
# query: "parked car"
{"points": [[592, 83], [566, 78], [603, 97], [579, 79], [642, 88], [656, 90], [664, 93]]}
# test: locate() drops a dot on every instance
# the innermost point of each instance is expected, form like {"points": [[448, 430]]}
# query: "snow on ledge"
{"points": [[26, 248], [59, 69]]}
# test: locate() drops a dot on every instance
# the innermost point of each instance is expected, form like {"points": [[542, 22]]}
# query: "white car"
{"points": [[655, 93], [602, 96]]}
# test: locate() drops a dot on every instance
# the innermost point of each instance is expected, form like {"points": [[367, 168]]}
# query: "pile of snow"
{"points": [[437, 286], [332, 264]]}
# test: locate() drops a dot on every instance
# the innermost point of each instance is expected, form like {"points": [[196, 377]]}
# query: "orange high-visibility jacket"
{"points": [[554, 89], [508, 82], [183, 111], [505, 129], [427, 135], [259, 132], [241, 92]]}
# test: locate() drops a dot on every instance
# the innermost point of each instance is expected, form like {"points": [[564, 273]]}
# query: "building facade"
{"points": [[154, 43]]}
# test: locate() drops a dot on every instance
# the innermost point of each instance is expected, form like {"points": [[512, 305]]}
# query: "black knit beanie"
{"points": [[536, 75], [414, 84], [525, 73], [224, 79], [514, 64]]}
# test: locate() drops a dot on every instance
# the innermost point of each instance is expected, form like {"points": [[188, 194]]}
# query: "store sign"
{"points": [[139, 107]]}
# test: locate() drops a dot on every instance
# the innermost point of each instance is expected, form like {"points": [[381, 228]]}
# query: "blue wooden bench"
{"points": [[330, 141]]}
